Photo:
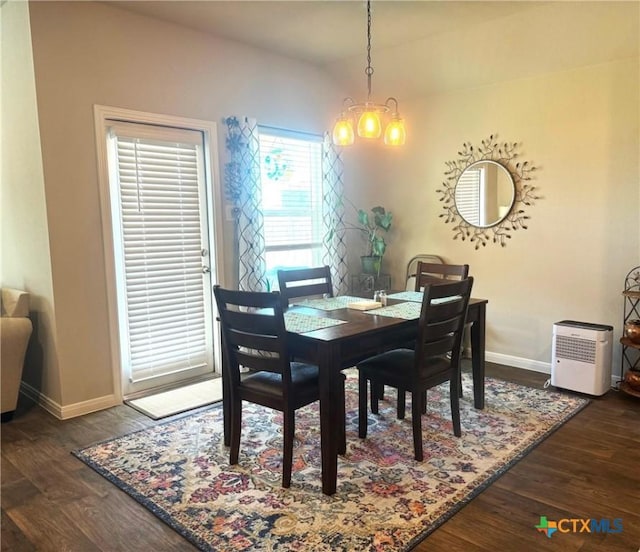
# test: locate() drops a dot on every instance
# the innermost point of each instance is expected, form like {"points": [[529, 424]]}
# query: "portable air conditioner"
{"points": [[581, 357]]}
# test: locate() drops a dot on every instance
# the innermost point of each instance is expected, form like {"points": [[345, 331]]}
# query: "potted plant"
{"points": [[372, 226]]}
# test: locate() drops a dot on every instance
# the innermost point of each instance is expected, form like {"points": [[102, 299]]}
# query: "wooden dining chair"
{"points": [[304, 282], [424, 272], [254, 336], [412, 268], [434, 273], [435, 360]]}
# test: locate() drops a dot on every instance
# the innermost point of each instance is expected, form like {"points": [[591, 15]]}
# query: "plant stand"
{"points": [[630, 349]]}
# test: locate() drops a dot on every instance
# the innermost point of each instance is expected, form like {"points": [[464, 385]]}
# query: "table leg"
{"points": [[226, 407], [478, 329], [328, 362]]}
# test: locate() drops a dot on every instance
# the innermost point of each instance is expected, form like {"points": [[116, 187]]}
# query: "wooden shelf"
{"points": [[631, 292], [626, 388]]}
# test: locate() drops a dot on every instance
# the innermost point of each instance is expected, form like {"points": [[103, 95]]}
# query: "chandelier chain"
{"points": [[368, 113], [369, 70]]}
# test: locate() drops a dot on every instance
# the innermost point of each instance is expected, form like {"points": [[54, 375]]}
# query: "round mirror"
{"points": [[484, 194]]}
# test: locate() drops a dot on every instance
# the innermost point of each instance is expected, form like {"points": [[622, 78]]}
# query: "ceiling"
{"points": [[419, 47], [322, 32]]}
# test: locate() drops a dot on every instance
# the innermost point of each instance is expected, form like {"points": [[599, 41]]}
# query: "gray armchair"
{"points": [[15, 331]]}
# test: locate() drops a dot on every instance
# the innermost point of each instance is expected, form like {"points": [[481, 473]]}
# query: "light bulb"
{"points": [[395, 134], [343, 134], [369, 125]]}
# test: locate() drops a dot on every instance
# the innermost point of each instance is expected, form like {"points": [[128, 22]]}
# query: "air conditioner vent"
{"points": [[573, 348]]}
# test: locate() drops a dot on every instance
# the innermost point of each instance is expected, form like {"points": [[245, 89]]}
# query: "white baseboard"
{"points": [[71, 410], [533, 365], [108, 401], [519, 362]]}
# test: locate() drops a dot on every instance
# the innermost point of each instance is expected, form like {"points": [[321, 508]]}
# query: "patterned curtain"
{"points": [[335, 249], [243, 189]]}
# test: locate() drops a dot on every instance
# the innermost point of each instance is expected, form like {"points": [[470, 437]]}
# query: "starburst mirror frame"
{"points": [[524, 193]]}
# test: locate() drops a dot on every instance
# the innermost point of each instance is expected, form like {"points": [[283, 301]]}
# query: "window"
{"points": [[291, 178], [468, 196]]}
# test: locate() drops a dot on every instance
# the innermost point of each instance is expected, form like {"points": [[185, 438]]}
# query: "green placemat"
{"points": [[408, 311], [328, 304], [414, 296], [302, 323]]}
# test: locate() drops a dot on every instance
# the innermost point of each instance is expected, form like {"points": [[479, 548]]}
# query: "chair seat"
{"points": [[396, 367], [304, 381]]}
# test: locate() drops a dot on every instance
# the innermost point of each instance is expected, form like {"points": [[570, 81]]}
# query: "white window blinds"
{"points": [[162, 240], [467, 195], [291, 179]]}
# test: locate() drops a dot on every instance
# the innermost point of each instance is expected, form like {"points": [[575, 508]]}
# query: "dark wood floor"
{"points": [[589, 468]]}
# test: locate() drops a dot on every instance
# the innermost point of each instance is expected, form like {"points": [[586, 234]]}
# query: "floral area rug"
{"points": [[385, 500]]}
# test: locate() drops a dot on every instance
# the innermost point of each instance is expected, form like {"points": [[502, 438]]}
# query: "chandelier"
{"points": [[368, 113]]}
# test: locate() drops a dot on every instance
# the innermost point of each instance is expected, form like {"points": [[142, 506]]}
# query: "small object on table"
{"points": [[366, 284]]}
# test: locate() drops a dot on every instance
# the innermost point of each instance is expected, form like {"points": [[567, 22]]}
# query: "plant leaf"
{"points": [[363, 218]]}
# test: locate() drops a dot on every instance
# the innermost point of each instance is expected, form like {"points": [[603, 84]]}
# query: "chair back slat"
{"points": [[253, 322], [439, 328], [434, 273], [438, 347], [306, 290], [304, 282], [266, 343], [450, 309], [253, 333], [253, 360]]}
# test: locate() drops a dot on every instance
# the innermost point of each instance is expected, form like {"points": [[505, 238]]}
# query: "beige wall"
{"points": [[582, 129], [89, 53], [24, 258]]}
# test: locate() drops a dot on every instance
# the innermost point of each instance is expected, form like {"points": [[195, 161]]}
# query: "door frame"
{"points": [[102, 115]]}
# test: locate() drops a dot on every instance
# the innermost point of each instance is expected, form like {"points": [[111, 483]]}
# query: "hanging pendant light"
{"points": [[395, 134], [369, 113], [343, 134], [369, 125]]}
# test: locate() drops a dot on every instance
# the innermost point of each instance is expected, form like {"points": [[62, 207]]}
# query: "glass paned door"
{"points": [[162, 254]]}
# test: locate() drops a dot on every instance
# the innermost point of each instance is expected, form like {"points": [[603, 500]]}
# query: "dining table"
{"points": [[330, 334]]}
